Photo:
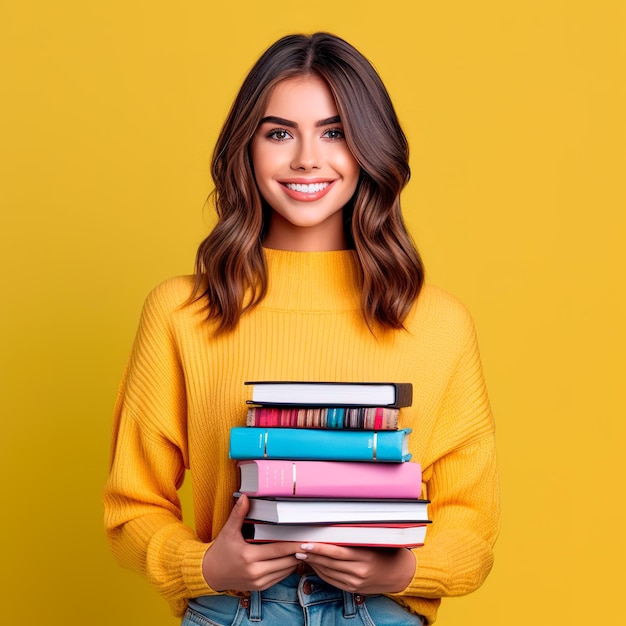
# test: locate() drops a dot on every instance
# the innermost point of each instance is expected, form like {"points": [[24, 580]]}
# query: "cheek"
{"points": [[267, 162], [348, 162], [259, 165], [352, 169]]}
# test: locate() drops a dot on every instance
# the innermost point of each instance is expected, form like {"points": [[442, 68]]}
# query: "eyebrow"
{"points": [[283, 122]]}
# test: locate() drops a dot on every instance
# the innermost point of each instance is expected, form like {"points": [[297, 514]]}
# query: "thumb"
{"points": [[238, 513]]}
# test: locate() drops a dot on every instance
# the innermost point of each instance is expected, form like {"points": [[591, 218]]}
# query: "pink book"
{"points": [[330, 479]]}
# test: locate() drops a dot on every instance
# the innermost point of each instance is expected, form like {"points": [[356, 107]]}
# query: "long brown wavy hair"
{"points": [[230, 264]]}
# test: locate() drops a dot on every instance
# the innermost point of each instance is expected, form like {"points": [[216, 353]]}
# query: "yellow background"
{"points": [[515, 115]]}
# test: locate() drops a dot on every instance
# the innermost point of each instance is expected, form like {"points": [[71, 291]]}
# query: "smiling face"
{"points": [[303, 167]]}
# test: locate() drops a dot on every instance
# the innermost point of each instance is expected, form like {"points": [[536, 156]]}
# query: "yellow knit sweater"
{"points": [[183, 390]]}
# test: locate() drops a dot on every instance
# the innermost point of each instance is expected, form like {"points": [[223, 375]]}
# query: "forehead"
{"points": [[301, 96]]}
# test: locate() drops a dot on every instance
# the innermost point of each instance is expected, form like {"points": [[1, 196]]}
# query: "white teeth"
{"points": [[312, 188]]}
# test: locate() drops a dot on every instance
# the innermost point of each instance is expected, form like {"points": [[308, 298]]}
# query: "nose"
{"points": [[306, 156]]}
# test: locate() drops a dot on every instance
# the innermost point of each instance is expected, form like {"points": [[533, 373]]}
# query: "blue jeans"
{"points": [[298, 600]]}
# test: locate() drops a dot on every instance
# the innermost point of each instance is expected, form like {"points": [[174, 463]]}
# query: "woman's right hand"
{"points": [[233, 564]]}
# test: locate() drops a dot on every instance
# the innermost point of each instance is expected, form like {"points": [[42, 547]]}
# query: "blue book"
{"points": [[314, 444]]}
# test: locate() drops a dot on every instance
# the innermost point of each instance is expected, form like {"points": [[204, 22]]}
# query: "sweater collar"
{"points": [[312, 281]]}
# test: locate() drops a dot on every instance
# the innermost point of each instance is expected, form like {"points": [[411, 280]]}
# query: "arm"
{"points": [[143, 515], [461, 481], [460, 475]]}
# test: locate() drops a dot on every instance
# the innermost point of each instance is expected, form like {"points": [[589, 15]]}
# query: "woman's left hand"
{"points": [[360, 570]]}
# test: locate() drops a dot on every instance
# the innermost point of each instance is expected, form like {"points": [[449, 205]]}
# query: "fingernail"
{"points": [[300, 556], [307, 546]]}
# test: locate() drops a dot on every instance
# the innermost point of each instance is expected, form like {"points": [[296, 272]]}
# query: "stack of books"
{"points": [[326, 462]]}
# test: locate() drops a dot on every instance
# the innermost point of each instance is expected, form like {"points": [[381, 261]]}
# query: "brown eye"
{"points": [[278, 134], [334, 133]]}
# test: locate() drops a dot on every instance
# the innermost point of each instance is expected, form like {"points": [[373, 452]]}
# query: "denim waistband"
{"points": [[308, 593], [303, 590]]}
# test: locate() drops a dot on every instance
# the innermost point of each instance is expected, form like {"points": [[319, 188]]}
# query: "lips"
{"points": [[307, 191]]}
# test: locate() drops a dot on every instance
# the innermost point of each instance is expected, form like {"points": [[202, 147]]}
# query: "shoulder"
{"points": [[435, 302], [168, 297], [175, 290], [441, 317]]}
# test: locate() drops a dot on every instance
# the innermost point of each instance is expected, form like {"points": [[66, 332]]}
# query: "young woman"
{"points": [[309, 274]]}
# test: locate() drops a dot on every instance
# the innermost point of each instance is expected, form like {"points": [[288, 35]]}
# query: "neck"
{"points": [[327, 236], [312, 281]]}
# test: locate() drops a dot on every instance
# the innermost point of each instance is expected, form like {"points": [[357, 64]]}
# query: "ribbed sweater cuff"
{"points": [[457, 565], [192, 570]]}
